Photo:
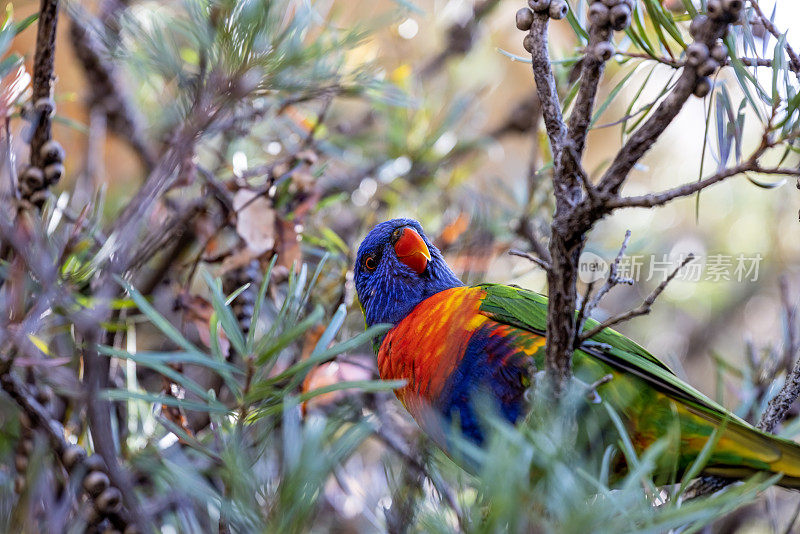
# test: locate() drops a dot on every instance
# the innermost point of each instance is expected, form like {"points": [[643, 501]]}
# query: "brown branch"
{"points": [[107, 92], [643, 309], [460, 39], [592, 67], [657, 199], [678, 64], [538, 261], [771, 28], [779, 406], [546, 83], [43, 79], [643, 139]]}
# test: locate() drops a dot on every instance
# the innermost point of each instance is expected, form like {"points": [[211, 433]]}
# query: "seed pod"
{"points": [[92, 515], [733, 7], [95, 462], [524, 19], [620, 17], [598, 14], [45, 106], [33, 177], [72, 456], [19, 484], [21, 462], [603, 50], [95, 483], [25, 420], [719, 52], [43, 395], [558, 9], [630, 3], [109, 501], [707, 68], [53, 172], [715, 10], [539, 6], [26, 446], [52, 152], [38, 198], [609, 3], [698, 26], [528, 43], [696, 53], [703, 87]]}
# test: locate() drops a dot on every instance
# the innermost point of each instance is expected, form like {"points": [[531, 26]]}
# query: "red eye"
{"points": [[370, 263]]}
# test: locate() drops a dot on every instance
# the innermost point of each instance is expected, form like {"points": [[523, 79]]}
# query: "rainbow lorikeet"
{"points": [[450, 342]]}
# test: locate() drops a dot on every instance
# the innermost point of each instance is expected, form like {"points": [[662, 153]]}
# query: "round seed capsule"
{"points": [[45, 106], [698, 26], [95, 483], [21, 462], [528, 43], [95, 462], [598, 14], [52, 152], [54, 172], [540, 6], [715, 10], [524, 19], [719, 52], [19, 484], [26, 446], [696, 53], [72, 456], [703, 87], [707, 68], [558, 9], [109, 501], [620, 17], [733, 7], [33, 177], [603, 50], [25, 420], [38, 198]]}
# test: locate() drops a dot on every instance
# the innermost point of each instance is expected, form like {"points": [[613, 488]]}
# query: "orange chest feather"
{"points": [[425, 348]]}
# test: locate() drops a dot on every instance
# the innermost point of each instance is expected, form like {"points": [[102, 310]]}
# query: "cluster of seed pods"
{"points": [[103, 500], [707, 59], [34, 180]]}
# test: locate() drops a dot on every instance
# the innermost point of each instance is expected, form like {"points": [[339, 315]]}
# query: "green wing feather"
{"points": [[528, 310]]}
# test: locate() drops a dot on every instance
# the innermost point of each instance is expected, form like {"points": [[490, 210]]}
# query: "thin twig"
{"points": [[538, 261], [643, 309], [611, 281]]}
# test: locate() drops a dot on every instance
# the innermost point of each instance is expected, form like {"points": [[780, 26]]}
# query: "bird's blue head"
{"points": [[397, 267]]}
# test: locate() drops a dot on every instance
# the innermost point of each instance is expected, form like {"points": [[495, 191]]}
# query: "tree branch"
{"points": [[657, 199], [771, 28], [536, 41], [43, 79], [644, 138]]}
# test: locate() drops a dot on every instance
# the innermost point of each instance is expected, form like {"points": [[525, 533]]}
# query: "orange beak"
{"points": [[412, 250]]}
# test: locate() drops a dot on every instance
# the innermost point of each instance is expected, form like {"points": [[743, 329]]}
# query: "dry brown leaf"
{"points": [[255, 220]]}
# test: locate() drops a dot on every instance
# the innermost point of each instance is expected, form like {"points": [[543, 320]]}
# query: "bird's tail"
{"points": [[743, 450]]}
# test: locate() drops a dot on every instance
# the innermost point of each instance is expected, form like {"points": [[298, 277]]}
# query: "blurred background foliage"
{"points": [[298, 126]]}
